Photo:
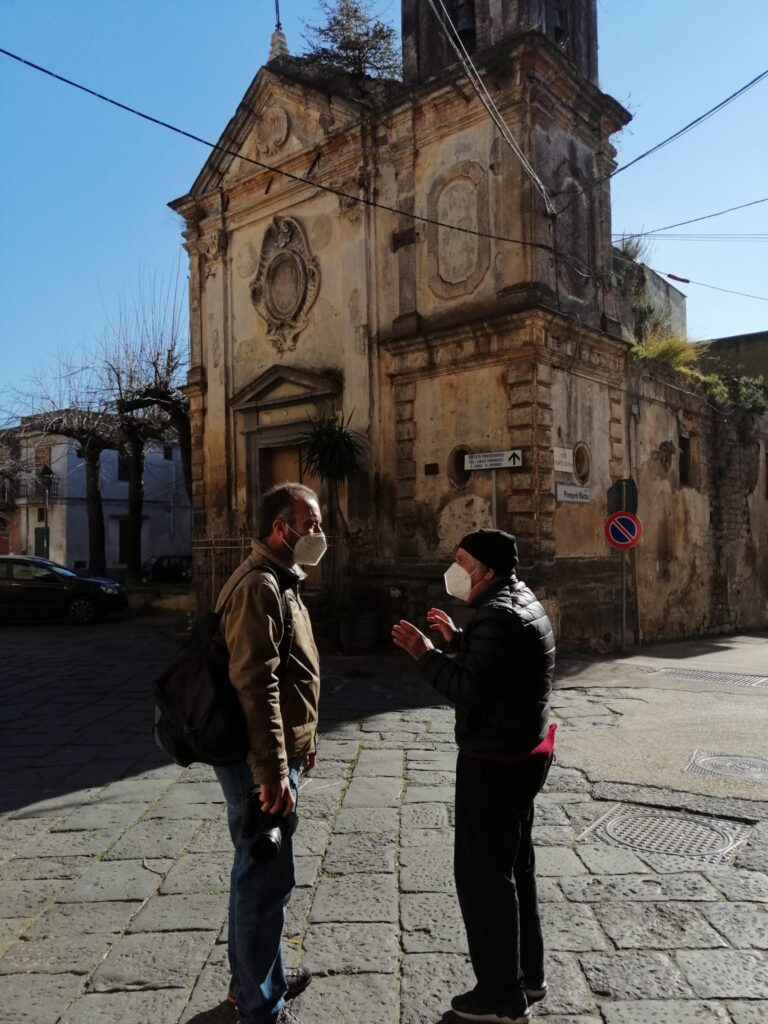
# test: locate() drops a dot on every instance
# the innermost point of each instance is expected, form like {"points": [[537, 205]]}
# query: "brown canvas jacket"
{"points": [[281, 717]]}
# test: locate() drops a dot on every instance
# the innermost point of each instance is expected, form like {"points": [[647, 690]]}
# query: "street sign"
{"points": [[623, 530], [494, 460], [622, 496], [574, 495], [563, 459]]}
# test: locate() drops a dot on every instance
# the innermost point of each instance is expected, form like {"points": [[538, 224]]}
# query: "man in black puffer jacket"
{"points": [[498, 673]]}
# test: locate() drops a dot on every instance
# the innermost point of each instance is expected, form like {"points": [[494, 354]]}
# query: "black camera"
{"points": [[268, 831]]}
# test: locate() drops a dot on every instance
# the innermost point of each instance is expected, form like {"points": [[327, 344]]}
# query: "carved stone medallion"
{"points": [[286, 283], [272, 130], [458, 259]]}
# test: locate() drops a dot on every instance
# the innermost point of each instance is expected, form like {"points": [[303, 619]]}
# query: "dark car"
{"points": [[167, 569], [36, 586]]}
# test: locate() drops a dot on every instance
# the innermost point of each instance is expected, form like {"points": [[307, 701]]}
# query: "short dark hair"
{"points": [[278, 502]]}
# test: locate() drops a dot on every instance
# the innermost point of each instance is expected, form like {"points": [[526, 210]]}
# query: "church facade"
{"points": [[376, 250]]}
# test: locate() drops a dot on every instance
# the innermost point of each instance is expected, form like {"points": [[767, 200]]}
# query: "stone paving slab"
{"points": [[63, 920], [725, 973], [658, 926], [199, 872], [361, 999], [429, 981], [747, 1012], [52, 956], [38, 998], [373, 792], [635, 975], [355, 898], [571, 927], [744, 925], [119, 880], [154, 960], [185, 912], [351, 949], [158, 1007], [354, 852], [653, 888], [157, 837], [431, 923], [656, 1011]]}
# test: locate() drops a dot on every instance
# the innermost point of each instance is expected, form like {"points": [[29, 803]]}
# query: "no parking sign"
{"points": [[623, 530]]}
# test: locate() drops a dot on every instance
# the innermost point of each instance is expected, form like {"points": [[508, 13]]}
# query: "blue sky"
{"points": [[85, 187]]}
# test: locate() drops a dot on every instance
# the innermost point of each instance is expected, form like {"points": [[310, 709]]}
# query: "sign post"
{"points": [[494, 461], [623, 530]]}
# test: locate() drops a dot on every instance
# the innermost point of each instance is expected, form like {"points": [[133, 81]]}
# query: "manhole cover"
{"points": [[650, 830], [701, 675], [754, 769]]}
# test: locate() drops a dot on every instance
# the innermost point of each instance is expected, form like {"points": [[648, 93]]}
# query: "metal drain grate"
{"points": [[651, 830], [701, 675], [751, 768]]}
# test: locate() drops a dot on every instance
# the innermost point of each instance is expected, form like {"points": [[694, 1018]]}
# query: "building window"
{"points": [[41, 515], [582, 463], [684, 460], [462, 14], [458, 474], [123, 466], [168, 452]]}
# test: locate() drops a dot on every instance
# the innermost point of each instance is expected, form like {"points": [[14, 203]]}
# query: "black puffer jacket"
{"points": [[498, 671]]}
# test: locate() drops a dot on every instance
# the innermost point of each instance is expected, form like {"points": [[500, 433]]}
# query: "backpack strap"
{"points": [[286, 642]]}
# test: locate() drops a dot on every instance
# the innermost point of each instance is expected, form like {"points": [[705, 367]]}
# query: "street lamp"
{"points": [[46, 476]]}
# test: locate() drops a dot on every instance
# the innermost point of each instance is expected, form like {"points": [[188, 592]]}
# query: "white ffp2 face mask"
{"points": [[458, 582], [309, 548]]}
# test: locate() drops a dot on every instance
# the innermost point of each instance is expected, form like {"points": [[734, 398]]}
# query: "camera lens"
{"points": [[266, 845]]}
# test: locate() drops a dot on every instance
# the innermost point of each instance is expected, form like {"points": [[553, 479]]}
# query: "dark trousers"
{"points": [[495, 872]]}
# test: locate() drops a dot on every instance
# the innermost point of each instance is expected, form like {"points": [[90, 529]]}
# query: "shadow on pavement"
{"points": [[77, 708]]}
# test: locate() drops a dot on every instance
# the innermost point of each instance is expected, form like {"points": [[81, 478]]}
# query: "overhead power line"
{"points": [[701, 237], [670, 138], [693, 124], [319, 186], [693, 220], [713, 287]]}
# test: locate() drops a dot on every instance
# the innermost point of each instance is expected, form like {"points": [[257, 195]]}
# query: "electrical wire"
{"points": [[457, 45], [700, 237], [216, 147], [693, 220], [670, 138], [687, 280]]}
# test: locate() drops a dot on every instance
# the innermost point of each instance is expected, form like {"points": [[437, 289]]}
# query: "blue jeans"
{"points": [[258, 897]]}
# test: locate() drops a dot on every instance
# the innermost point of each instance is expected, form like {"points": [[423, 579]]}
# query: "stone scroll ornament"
{"points": [[286, 282]]}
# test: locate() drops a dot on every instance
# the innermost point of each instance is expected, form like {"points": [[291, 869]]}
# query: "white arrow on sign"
{"points": [[494, 460]]}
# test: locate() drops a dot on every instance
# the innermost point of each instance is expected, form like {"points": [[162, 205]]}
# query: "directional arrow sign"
{"points": [[623, 530], [494, 460]]}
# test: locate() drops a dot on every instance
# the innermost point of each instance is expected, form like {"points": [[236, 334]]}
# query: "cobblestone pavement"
{"points": [[115, 864]]}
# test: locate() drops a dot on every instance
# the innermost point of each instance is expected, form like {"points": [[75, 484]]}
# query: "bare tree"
{"points": [[143, 362]]}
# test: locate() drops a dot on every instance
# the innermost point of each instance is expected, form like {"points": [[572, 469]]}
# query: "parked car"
{"points": [[167, 569], [37, 586]]}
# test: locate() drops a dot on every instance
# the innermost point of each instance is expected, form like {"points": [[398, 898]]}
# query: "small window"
{"points": [[168, 452], [684, 463], [123, 466], [41, 515], [582, 463], [122, 541], [457, 472]]}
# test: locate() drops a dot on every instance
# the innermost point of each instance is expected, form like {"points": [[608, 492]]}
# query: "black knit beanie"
{"points": [[494, 548]]}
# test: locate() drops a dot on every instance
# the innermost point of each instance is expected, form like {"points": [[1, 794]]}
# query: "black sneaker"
{"points": [[470, 1006], [535, 995], [298, 979]]}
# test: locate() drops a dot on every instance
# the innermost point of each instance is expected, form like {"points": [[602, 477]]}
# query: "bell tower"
{"points": [[484, 25]]}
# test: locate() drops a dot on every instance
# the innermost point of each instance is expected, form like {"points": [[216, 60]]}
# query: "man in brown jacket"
{"points": [[278, 691]]}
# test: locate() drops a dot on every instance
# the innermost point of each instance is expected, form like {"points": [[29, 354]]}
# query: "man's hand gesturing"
{"points": [[411, 639], [438, 620]]}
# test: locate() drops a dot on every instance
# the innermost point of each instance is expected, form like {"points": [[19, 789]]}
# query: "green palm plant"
{"points": [[333, 452]]}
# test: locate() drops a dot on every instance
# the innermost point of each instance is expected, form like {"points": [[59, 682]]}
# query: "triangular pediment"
{"points": [[281, 115], [284, 386]]}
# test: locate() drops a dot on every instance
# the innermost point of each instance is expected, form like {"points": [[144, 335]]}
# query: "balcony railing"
{"points": [[33, 490]]}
